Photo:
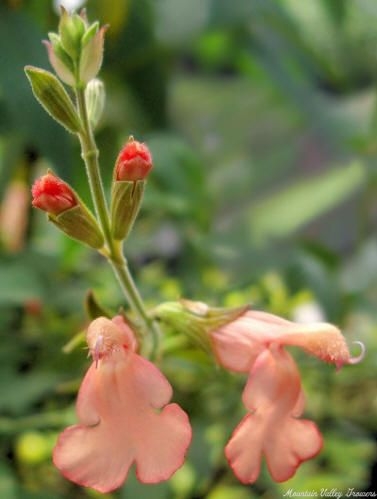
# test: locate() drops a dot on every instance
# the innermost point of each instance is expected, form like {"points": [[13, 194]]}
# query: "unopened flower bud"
{"points": [[76, 53], [71, 30], [131, 168], [53, 195], [134, 161], [95, 97], [66, 210]]}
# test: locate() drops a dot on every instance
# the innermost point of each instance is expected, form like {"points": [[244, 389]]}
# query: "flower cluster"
{"points": [[125, 416], [71, 215]]}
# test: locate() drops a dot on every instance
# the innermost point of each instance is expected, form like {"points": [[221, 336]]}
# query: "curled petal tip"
{"points": [[360, 357]]}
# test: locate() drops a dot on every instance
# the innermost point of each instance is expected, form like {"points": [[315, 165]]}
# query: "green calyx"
{"points": [[79, 223], [196, 320], [126, 198]]}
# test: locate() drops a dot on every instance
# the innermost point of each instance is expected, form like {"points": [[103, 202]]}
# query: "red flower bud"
{"points": [[134, 162], [52, 194]]}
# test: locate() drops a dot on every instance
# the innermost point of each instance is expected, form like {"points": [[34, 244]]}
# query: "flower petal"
{"points": [[120, 424], [325, 341], [273, 396], [236, 353], [296, 441], [165, 445], [239, 343], [244, 449]]}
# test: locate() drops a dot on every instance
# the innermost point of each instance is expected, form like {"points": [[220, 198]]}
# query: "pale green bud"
{"points": [[95, 97], [51, 94], [71, 30], [91, 53]]}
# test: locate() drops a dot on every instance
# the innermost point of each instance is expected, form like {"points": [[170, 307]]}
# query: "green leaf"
{"points": [[26, 122], [53, 97], [19, 283], [289, 209], [126, 198], [8, 484], [93, 308], [19, 392], [133, 488]]}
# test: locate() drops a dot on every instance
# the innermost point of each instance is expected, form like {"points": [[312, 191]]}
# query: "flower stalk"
{"points": [[113, 248]]}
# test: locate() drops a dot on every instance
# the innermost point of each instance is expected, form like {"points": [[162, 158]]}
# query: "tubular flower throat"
{"points": [[124, 416]]}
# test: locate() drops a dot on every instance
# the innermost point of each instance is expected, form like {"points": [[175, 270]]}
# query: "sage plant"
{"points": [[124, 412]]}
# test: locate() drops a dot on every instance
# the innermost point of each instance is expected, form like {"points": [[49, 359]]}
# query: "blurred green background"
{"points": [[262, 119]]}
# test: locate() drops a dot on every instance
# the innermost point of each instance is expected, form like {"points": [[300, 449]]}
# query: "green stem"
{"points": [[55, 419], [130, 290], [113, 251], [90, 156]]}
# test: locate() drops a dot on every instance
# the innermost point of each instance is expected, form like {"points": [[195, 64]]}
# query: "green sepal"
{"points": [[93, 308], [79, 223], [91, 55], [71, 30], [89, 33], [53, 97], [126, 198], [60, 53], [196, 320]]}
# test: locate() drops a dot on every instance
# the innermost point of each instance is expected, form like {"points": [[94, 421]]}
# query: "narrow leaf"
{"points": [[286, 211], [93, 308]]}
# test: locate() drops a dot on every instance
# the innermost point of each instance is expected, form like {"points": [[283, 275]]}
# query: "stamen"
{"points": [[97, 349], [359, 358]]}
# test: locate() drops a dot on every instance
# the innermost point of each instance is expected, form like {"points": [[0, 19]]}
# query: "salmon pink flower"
{"points": [[124, 416], [254, 343], [274, 399]]}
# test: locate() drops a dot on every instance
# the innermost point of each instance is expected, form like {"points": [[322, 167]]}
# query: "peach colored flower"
{"points": [[273, 396], [124, 416]]}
